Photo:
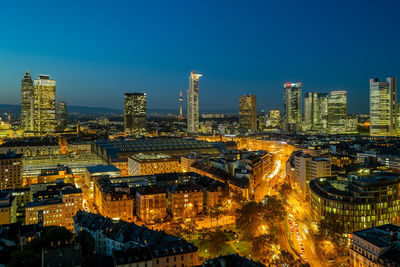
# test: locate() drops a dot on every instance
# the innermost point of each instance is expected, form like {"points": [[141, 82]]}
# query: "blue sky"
{"points": [[97, 50]]}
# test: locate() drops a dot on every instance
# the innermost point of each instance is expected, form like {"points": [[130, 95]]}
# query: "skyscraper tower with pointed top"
{"points": [[27, 99], [193, 103], [180, 105]]}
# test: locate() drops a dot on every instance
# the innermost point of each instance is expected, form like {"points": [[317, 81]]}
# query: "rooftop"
{"points": [[102, 168]]}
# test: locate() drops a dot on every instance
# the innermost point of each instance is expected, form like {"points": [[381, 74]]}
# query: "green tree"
{"points": [[261, 246], [274, 210], [216, 242], [25, 257], [216, 213], [331, 229], [249, 219]]}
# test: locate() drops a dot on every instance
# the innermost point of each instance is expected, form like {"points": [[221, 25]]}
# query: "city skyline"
{"points": [[81, 64]]}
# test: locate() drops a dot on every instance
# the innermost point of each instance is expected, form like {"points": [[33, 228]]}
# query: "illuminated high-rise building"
{"points": [[248, 112], [193, 103], [44, 105], [61, 114], [383, 107], [316, 110], [180, 105], [135, 113], [293, 104], [275, 117], [27, 99], [337, 111]]}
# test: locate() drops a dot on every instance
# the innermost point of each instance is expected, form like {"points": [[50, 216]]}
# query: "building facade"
{"points": [[148, 164], [44, 120], [376, 246], [193, 103], [307, 168], [61, 113], [360, 203], [293, 104], [185, 200], [383, 107], [248, 112], [151, 204], [337, 111], [10, 170], [316, 110], [27, 99], [135, 113]]}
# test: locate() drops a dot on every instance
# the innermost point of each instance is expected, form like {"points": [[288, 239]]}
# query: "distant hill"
{"points": [[4, 108]]}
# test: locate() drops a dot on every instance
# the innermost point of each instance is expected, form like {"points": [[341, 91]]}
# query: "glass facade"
{"points": [[135, 113], [316, 110], [27, 98], [293, 102], [248, 112], [383, 107], [362, 203], [337, 111], [44, 105], [193, 103]]}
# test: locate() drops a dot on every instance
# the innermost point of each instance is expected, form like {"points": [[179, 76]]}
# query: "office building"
{"points": [[248, 112], [27, 99], [44, 106], [383, 107], [61, 114], [193, 103], [377, 246], [274, 117], [292, 105], [148, 164], [10, 170], [307, 168], [135, 113], [316, 110], [337, 111], [360, 203]]}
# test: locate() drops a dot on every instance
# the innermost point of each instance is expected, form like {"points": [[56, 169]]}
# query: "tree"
{"points": [[249, 219], [261, 246], [216, 242], [331, 229], [25, 257], [274, 210], [191, 228], [176, 229], [287, 258], [216, 213]]}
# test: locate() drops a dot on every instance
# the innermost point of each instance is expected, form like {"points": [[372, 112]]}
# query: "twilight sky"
{"points": [[97, 50]]}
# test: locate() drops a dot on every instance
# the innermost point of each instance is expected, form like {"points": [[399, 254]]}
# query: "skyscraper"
{"points": [[337, 111], [293, 104], [248, 112], [44, 105], [27, 99], [383, 107], [61, 114], [275, 117], [193, 103], [135, 113], [316, 110]]}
